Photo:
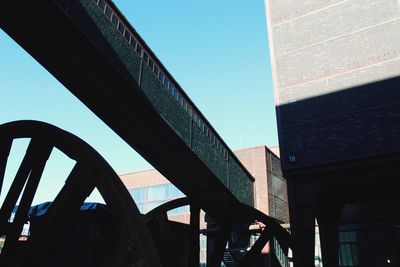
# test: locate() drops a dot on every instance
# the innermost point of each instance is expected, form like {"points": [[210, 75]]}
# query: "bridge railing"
{"points": [[126, 30], [121, 24]]}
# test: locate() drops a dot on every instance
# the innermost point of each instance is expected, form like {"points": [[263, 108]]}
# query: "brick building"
{"points": [[336, 72]]}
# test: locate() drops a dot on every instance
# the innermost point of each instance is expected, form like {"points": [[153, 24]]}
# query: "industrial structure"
{"points": [[150, 189], [336, 70], [90, 47]]}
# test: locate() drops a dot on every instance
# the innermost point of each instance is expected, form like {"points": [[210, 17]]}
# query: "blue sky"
{"points": [[217, 50]]}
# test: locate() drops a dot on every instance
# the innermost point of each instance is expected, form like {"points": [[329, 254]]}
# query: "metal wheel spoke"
{"points": [[36, 166], [32, 166], [5, 146], [62, 211]]}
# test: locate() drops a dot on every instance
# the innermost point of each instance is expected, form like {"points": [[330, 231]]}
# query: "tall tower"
{"points": [[336, 70]]}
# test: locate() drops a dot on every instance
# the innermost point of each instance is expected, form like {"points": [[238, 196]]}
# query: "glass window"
{"points": [[161, 76], [142, 207], [151, 64], [348, 254], [203, 243], [127, 35], [139, 194], [121, 27], [157, 192], [133, 42], [190, 111], [180, 210], [173, 192], [156, 70], [166, 82], [108, 12], [171, 88], [154, 204], [114, 20], [102, 4], [138, 49], [145, 57]]}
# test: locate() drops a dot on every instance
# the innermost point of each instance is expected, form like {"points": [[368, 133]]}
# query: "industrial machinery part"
{"points": [[132, 243]]}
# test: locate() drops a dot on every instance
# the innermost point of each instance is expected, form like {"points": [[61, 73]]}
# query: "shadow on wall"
{"points": [[352, 123]]}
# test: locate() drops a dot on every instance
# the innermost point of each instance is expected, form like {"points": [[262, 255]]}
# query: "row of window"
{"points": [[168, 85], [148, 206], [155, 193]]}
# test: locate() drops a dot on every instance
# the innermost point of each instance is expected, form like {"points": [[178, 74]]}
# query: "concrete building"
{"points": [[336, 68], [150, 189]]}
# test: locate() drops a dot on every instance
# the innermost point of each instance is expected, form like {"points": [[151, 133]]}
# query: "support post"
{"points": [[194, 250]]}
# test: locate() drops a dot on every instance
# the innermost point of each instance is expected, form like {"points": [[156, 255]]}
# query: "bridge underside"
{"points": [[67, 42]]}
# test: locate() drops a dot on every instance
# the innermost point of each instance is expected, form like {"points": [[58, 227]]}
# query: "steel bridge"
{"points": [[92, 49]]}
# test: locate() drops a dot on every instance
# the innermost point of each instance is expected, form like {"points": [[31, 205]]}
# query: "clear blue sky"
{"points": [[217, 50]]}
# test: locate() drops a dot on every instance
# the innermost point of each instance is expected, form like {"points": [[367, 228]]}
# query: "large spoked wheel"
{"points": [[242, 214], [133, 246]]}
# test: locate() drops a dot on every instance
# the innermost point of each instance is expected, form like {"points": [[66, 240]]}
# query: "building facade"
{"points": [[336, 71], [150, 189]]}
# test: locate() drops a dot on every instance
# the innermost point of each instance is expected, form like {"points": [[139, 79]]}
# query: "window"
{"points": [[114, 20], [127, 35], [151, 64], [102, 4], [173, 192], [133, 42], [108, 12], [161, 76], [156, 192], [153, 205], [141, 207], [171, 88], [145, 57], [200, 123], [180, 99], [139, 194], [139, 49], [190, 111], [121, 27], [156, 70], [166, 83], [348, 255], [177, 95], [180, 210]]}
